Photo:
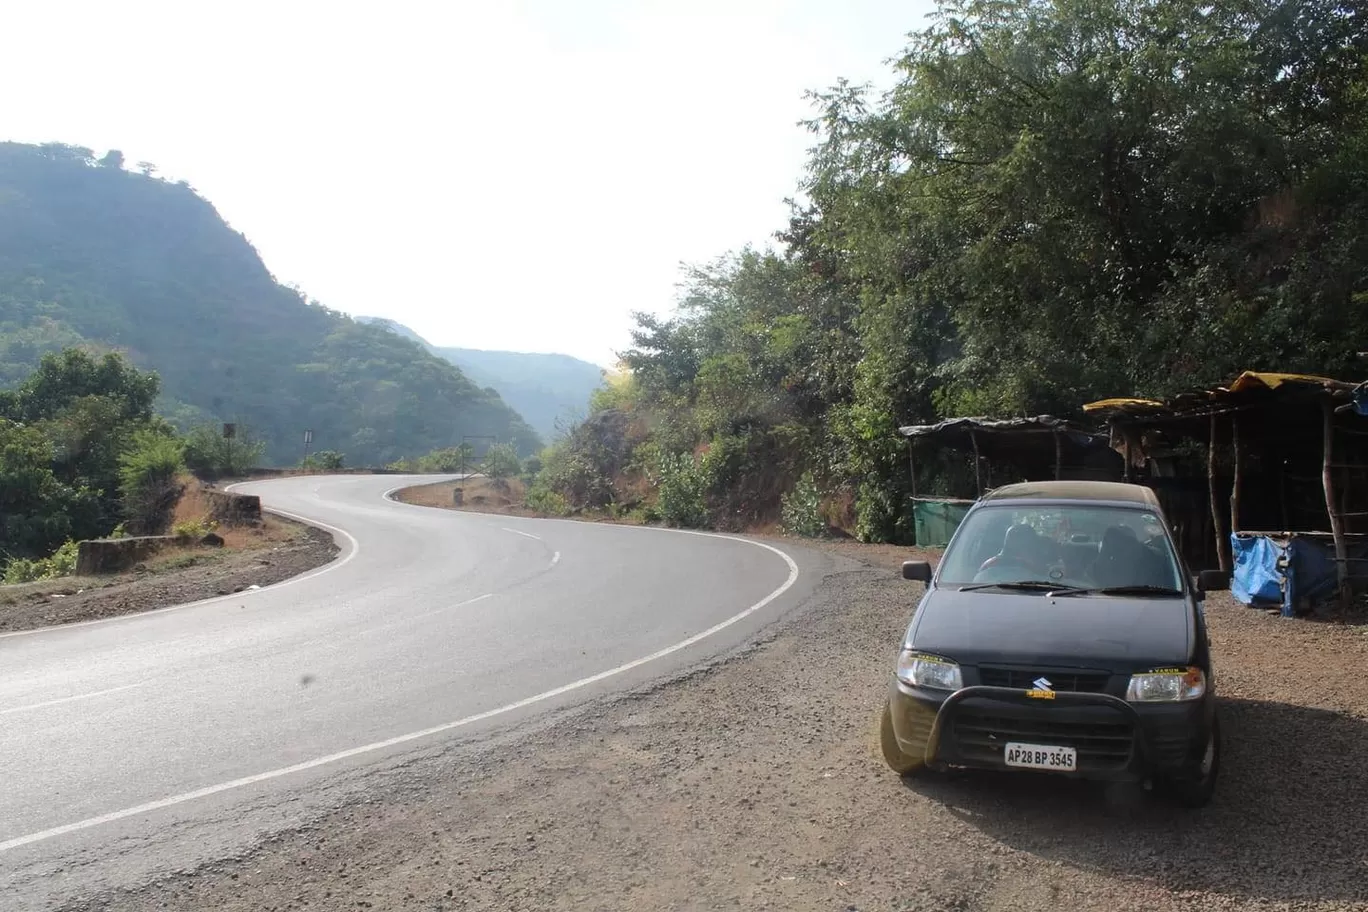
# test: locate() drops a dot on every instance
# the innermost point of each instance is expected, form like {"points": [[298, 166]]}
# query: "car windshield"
{"points": [[1089, 547]]}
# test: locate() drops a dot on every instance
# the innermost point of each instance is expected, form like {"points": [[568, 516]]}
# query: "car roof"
{"points": [[1108, 491]]}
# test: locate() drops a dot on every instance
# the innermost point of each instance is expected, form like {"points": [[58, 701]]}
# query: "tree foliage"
{"points": [[80, 451], [1057, 201]]}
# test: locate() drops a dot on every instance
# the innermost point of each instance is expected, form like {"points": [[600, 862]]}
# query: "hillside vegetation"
{"points": [[1056, 202], [550, 391], [98, 256]]}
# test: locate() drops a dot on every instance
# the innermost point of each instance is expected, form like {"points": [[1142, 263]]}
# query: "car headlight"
{"points": [[921, 670], [1172, 685]]}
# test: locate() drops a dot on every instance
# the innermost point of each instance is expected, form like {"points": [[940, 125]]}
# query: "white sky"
{"points": [[516, 175]]}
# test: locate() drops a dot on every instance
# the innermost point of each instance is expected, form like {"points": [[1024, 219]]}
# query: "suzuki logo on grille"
{"points": [[1042, 683]]}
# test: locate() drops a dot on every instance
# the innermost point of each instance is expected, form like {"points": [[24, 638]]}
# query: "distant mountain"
{"points": [[91, 254], [545, 389]]}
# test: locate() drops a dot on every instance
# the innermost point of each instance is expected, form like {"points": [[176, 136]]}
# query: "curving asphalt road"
{"points": [[152, 742]]}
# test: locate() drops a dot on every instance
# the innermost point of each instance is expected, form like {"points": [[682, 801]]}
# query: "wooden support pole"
{"points": [[1328, 483], [978, 468], [1235, 475], [1059, 455], [912, 466], [1221, 544], [1282, 492]]}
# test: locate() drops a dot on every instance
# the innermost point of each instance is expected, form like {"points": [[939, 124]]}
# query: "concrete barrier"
{"points": [[234, 509], [111, 555]]}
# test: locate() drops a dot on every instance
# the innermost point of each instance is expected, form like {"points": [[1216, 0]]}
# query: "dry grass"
{"points": [[194, 507], [482, 495]]}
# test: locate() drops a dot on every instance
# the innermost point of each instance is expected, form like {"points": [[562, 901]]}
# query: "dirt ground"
{"points": [[754, 783], [270, 553]]}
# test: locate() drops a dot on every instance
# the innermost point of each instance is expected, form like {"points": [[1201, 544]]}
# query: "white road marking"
{"points": [[522, 533], [336, 564], [555, 559], [182, 798], [408, 620], [85, 696]]}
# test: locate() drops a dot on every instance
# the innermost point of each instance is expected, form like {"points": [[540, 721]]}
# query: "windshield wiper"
{"points": [[1130, 590], [1024, 585]]}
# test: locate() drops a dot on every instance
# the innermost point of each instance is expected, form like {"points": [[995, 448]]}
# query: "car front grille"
{"points": [[1024, 678], [981, 734]]}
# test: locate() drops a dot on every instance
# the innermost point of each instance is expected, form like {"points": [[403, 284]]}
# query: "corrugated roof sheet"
{"points": [[1042, 423]]}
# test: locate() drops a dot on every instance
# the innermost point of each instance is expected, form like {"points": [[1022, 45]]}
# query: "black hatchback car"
{"points": [[1060, 632]]}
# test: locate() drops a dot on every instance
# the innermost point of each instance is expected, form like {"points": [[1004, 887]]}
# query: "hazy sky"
{"points": [[516, 175]]}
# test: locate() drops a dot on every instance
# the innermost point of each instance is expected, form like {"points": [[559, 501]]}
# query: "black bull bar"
{"points": [[1032, 698]]}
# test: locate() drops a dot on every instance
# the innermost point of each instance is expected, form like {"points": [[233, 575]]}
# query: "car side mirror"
{"points": [[917, 571], [1213, 581]]}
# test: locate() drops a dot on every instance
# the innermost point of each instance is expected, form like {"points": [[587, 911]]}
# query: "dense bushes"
{"points": [[323, 461], [61, 562], [209, 454]]}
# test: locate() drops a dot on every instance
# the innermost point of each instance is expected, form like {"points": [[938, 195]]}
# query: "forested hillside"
{"points": [[1058, 201], [93, 254], [550, 391]]}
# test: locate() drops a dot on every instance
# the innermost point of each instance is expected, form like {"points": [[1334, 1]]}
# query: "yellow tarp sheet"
{"points": [[1120, 403], [1246, 380], [1273, 381]]}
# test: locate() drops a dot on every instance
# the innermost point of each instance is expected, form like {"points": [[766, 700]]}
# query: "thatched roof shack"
{"points": [[1283, 457]]}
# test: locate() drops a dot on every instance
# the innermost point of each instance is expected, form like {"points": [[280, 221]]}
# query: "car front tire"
{"points": [[900, 762], [1196, 786]]}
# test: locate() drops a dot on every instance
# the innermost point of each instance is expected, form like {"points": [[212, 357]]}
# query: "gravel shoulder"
{"points": [[276, 551], [755, 783]]}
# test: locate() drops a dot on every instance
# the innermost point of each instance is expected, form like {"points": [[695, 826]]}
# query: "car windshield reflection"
{"points": [[1067, 549]]}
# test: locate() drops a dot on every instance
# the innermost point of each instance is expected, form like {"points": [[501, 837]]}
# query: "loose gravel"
{"points": [[755, 784]]}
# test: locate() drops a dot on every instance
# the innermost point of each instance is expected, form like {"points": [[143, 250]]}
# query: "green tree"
{"points": [[88, 408], [37, 511]]}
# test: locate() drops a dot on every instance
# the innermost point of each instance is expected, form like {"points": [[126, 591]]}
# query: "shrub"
{"points": [[148, 482], [680, 492], [544, 500], [61, 563], [501, 460], [443, 461], [323, 461], [801, 510], [193, 529]]}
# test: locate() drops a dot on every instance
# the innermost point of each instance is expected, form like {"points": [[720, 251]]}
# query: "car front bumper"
{"points": [[1114, 740]]}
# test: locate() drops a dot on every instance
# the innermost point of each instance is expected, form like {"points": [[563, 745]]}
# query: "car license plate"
{"points": [[1042, 756]]}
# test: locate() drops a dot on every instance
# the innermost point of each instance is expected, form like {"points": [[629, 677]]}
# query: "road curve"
{"points": [[151, 742]]}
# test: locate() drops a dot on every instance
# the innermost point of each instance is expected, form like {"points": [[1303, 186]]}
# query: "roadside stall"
{"points": [[1002, 451], [1266, 477]]}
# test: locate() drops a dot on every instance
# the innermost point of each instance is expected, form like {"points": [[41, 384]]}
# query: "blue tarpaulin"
{"points": [[1271, 574], [1257, 579]]}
